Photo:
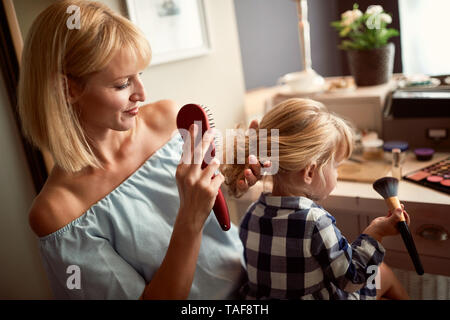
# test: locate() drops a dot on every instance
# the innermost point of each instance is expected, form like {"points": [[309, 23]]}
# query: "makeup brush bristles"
{"points": [[387, 187]]}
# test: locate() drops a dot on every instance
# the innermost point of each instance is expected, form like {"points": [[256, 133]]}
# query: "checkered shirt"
{"points": [[293, 250]]}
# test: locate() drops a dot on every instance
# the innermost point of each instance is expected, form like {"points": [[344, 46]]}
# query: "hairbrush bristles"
{"points": [[210, 116], [212, 124], [387, 187]]}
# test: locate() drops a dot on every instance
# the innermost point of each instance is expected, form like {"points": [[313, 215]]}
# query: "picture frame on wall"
{"points": [[176, 29]]}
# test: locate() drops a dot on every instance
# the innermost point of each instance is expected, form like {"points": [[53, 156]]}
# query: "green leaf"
{"points": [[344, 32], [336, 24]]}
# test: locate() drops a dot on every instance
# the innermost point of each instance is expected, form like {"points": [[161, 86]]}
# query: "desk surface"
{"points": [[407, 191]]}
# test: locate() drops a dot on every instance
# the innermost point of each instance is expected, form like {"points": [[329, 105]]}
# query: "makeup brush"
{"points": [[387, 187], [187, 115]]}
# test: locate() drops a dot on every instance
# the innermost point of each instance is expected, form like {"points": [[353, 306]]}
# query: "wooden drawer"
{"points": [[431, 265], [423, 232], [352, 224], [427, 221]]}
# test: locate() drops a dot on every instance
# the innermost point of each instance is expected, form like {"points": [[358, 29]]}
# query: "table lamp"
{"points": [[307, 80]]}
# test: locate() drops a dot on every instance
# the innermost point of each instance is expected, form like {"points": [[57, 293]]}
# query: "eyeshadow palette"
{"points": [[435, 176]]}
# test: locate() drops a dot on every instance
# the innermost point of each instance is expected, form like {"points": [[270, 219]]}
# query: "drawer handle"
{"points": [[433, 232]]}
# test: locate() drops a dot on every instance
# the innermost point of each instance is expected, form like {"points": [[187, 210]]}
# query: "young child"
{"points": [[293, 249]]}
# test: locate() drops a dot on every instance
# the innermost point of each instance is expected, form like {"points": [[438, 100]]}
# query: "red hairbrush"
{"points": [[187, 115]]}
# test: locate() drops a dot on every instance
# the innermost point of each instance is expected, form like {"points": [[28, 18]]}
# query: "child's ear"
{"points": [[308, 173]]}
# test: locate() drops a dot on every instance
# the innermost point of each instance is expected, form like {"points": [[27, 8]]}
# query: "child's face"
{"points": [[321, 188]]}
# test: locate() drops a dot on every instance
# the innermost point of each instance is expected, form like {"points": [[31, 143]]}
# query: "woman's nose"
{"points": [[139, 91]]}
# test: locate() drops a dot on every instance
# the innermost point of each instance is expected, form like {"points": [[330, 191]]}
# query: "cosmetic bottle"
{"points": [[396, 165]]}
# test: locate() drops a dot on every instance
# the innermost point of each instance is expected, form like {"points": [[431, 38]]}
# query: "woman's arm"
{"points": [[174, 277], [198, 189]]}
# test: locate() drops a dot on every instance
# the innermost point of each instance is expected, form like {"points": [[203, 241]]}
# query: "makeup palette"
{"points": [[435, 176]]}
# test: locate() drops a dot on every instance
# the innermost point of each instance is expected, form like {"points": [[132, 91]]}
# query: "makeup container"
{"points": [[391, 145], [373, 149], [424, 154]]}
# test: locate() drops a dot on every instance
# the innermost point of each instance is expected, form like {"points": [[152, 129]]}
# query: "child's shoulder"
{"points": [[318, 214]]}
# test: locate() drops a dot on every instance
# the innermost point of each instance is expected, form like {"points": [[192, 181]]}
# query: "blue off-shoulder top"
{"points": [[113, 250]]}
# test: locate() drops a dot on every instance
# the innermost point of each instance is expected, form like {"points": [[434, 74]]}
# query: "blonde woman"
{"points": [[292, 246], [118, 206]]}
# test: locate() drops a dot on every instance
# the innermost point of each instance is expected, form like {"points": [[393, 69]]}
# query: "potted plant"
{"points": [[366, 36]]}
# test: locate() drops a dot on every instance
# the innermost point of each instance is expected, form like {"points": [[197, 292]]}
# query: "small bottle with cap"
{"points": [[396, 166]]}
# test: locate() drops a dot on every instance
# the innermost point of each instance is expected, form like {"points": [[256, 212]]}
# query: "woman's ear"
{"points": [[308, 173], [72, 89]]}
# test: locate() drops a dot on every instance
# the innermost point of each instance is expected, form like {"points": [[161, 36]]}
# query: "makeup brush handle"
{"points": [[394, 203], [410, 246]]}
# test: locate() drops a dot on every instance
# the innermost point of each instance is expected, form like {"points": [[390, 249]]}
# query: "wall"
{"points": [[215, 80], [268, 35], [21, 272], [269, 40]]}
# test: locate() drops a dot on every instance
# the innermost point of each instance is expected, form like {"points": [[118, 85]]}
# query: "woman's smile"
{"points": [[132, 112]]}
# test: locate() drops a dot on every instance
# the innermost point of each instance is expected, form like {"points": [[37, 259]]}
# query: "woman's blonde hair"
{"points": [[307, 133], [53, 52]]}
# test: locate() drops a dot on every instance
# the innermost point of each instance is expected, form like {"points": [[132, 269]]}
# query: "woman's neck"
{"points": [[110, 144]]}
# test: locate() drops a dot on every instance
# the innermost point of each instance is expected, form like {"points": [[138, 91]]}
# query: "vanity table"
{"points": [[355, 204]]}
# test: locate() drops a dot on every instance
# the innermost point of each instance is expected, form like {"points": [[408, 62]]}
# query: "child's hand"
{"points": [[252, 174], [386, 226]]}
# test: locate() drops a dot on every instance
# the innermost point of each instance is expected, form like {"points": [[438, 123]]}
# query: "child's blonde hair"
{"points": [[308, 133], [53, 52]]}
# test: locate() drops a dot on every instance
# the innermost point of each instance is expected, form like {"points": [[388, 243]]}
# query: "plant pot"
{"points": [[372, 67]]}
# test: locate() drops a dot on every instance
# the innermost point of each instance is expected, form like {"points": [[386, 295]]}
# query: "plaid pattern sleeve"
{"points": [[293, 250], [344, 264]]}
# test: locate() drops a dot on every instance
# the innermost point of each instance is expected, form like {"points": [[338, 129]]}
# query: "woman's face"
{"points": [[110, 97]]}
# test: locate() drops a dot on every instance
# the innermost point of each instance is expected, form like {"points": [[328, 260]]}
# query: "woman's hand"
{"points": [[253, 174], [197, 188], [387, 226]]}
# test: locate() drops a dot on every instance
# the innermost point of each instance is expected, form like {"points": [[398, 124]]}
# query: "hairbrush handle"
{"points": [[221, 211], [189, 114], [410, 246]]}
